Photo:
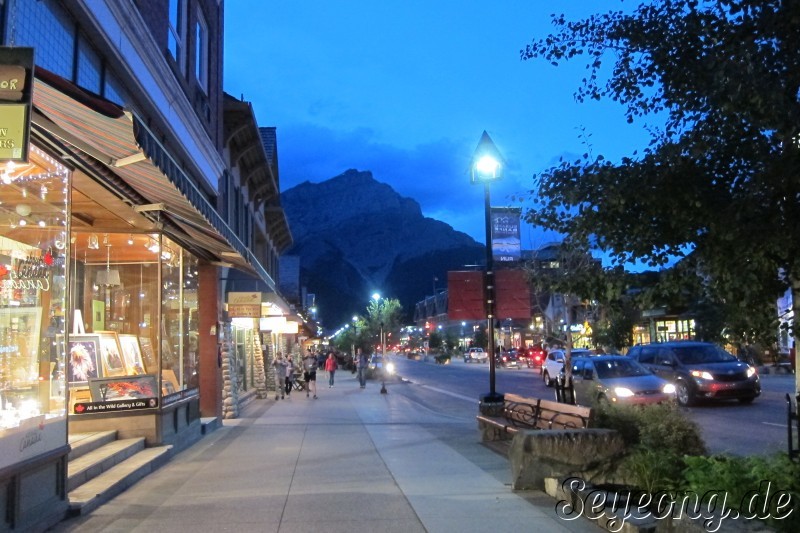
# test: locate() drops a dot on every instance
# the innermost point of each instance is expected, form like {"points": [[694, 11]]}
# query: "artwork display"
{"points": [[123, 388], [132, 354], [83, 358], [169, 382], [148, 356], [111, 354]]}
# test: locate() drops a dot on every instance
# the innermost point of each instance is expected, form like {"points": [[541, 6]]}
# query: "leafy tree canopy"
{"points": [[719, 182]]}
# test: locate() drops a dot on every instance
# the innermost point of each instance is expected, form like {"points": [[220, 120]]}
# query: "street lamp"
{"points": [[487, 166]]}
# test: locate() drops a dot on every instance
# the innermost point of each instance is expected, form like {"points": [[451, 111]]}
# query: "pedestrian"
{"points": [[361, 367], [280, 374], [310, 373], [289, 376], [331, 365]]}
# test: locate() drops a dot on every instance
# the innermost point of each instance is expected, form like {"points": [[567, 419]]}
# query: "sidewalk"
{"points": [[354, 460]]}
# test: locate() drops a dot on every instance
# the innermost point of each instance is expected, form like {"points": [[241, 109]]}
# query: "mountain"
{"points": [[355, 236]]}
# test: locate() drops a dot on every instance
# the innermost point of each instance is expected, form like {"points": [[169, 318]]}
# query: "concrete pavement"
{"points": [[351, 461]]}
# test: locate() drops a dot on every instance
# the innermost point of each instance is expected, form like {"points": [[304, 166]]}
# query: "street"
{"points": [[727, 427]]}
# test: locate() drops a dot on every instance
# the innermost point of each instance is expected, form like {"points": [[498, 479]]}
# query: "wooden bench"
{"points": [[520, 412]]}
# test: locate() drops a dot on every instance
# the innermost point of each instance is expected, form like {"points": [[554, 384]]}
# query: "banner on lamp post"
{"points": [[506, 244]]}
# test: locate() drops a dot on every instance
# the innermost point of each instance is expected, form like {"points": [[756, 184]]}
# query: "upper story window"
{"points": [[201, 52], [176, 39], [47, 27]]}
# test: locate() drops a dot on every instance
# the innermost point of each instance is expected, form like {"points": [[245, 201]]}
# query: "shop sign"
{"points": [[244, 304], [16, 91], [115, 405]]}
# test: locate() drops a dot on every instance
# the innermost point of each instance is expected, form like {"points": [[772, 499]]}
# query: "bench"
{"points": [[520, 412]]}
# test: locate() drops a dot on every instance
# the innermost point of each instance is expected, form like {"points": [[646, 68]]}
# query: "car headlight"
{"points": [[751, 371], [623, 392], [702, 374], [390, 368], [669, 388]]}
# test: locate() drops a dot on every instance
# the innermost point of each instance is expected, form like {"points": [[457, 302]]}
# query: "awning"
{"points": [[120, 140]]}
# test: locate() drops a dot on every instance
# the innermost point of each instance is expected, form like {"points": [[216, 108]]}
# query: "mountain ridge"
{"points": [[355, 235]]}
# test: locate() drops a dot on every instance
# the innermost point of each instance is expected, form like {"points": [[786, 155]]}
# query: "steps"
{"points": [[101, 466]]}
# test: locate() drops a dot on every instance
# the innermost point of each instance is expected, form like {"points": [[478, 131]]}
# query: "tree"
{"points": [[718, 184], [384, 314], [572, 278]]}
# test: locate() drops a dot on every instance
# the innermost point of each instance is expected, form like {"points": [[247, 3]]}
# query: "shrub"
{"points": [[661, 427], [743, 479]]}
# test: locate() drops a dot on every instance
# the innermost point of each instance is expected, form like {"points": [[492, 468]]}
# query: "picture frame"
{"points": [[132, 354], [83, 360], [169, 382], [123, 388], [111, 354], [78, 395], [148, 355]]}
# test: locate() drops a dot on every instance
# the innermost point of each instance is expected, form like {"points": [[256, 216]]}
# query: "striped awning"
{"points": [[120, 140]]}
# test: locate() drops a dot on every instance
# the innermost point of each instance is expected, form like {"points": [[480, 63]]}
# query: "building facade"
{"points": [[144, 192]]}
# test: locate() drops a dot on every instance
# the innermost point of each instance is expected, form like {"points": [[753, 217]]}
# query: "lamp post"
{"points": [[487, 166]]}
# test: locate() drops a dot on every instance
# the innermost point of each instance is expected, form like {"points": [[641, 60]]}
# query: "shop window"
{"points": [[33, 242], [179, 330], [134, 309]]}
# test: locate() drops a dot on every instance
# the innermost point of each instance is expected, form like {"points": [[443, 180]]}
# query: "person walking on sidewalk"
{"points": [[331, 365], [310, 373], [361, 367], [280, 374], [289, 376]]}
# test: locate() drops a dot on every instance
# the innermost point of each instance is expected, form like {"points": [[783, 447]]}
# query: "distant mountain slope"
{"points": [[355, 235]]}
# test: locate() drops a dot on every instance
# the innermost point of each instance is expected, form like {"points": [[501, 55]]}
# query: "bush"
{"points": [[660, 427], [657, 437], [741, 479]]}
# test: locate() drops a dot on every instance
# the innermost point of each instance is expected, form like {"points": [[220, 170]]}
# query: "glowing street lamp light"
{"points": [[487, 166]]}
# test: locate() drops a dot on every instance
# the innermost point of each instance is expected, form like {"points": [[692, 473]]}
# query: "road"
{"points": [[727, 427]]}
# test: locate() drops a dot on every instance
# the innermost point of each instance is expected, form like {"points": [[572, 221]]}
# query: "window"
{"points": [[177, 31], [89, 66], [49, 28], [201, 52]]}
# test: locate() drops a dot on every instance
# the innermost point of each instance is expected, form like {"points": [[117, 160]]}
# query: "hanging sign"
{"points": [[244, 304], [16, 95]]}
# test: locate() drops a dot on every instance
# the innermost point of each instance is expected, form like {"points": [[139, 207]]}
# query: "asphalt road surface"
{"points": [[727, 427]]}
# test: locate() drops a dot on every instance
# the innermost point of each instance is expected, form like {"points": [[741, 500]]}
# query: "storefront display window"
{"points": [[133, 303], [246, 345], [179, 342], [33, 229]]}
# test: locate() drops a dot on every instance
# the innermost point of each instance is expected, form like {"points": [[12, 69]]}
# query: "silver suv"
{"points": [[555, 360]]}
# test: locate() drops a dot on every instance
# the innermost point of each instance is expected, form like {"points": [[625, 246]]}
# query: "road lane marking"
{"points": [[774, 424]]}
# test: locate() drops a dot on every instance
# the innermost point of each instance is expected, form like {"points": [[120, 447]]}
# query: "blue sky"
{"points": [[404, 89]]}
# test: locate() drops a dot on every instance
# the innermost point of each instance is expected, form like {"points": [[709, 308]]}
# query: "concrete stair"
{"points": [[101, 466]]}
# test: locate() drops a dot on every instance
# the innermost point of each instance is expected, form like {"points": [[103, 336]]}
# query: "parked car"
{"points": [[616, 379], [508, 359], [555, 360], [700, 370], [379, 368], [476, 355], [534, 356]]}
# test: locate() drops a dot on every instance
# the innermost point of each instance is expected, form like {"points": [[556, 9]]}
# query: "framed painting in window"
{"points": [[111, 354], [148, 356], [83, 358], [123, 388], [132, 353]]}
